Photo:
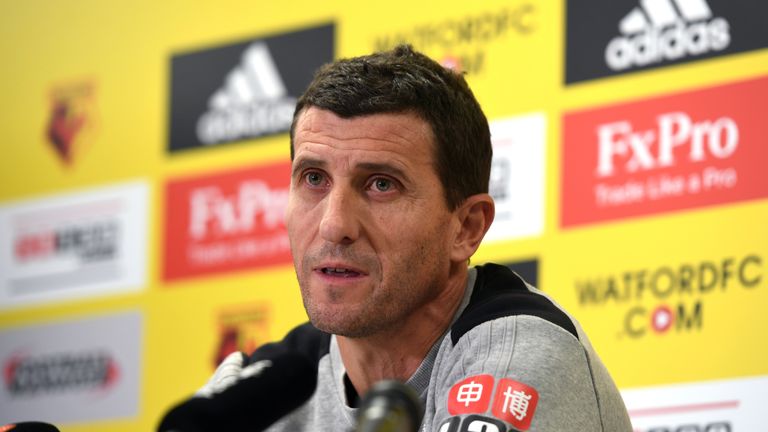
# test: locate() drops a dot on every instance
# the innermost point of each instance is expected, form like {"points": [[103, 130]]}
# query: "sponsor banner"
{"points": [[713, 406], [72, 118], [671, 299], [517, 177], [683, 151], [242, 328], [608, 37], [227, 221], [496, 44], [680, 301], [75, 371], [73, 246], [244, 90], [462, 41]]}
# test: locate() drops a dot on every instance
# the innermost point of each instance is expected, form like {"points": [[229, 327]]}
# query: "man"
{"points": [[388, 201]]}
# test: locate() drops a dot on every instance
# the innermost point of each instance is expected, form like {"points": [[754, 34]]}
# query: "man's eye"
{"points": [[314, 178], [382, 184]]}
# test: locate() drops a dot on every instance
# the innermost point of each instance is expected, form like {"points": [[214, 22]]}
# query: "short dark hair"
{"points": [[404, 80]]}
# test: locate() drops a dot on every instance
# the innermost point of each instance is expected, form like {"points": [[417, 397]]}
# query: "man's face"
{"points": [[369, 227]]}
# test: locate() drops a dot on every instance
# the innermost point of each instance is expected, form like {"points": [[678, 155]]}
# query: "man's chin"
{"points": [[343, 326]]}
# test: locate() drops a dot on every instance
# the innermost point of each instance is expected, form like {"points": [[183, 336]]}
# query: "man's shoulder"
{"points": [[499, 292]]}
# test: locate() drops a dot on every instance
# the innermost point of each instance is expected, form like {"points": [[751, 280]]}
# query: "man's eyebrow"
{"points": [[384, 168], [378, 167], [304, 163]]}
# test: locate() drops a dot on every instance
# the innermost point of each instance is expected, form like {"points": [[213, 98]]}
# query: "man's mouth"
{"points": [[339, 272]]}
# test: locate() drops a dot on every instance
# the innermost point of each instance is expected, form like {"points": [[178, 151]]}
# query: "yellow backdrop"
{"points": [[118, 54]]}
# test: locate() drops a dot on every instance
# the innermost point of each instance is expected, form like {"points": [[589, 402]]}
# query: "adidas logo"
{"points": [[253, 101], [661, 30]]}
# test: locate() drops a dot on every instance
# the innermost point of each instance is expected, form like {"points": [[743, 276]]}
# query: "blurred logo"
{"points": [[85, 242], [243, 328], [72, 119], [474, 423], [27, 375], [245, 90], [717, 426], [252, 101], [72, 371], [73, 245], [517, 176], [708, 406], [460, 43], [226, 222]]}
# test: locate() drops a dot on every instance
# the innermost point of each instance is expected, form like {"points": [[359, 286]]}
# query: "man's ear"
{"points": [[474, 215]]}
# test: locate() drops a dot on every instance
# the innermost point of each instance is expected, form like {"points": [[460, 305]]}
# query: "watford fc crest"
{"points": [[72, 119]]}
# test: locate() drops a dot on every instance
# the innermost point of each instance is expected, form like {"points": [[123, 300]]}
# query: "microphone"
{"points": [[265, 391], [390, 406], [31, 426]]}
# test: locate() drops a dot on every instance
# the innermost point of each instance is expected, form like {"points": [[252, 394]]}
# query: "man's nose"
{"points": [[339, 222]]}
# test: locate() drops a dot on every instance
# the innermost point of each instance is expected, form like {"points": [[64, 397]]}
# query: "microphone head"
{"points": [[31, 426], [390, 406], [266, 391]]}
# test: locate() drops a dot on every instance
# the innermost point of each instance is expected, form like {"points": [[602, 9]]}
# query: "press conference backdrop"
{"points": [[144, 165]]}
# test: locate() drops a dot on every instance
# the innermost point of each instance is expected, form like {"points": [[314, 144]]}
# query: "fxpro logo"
{"points": [[232, 220], [670, 299], [216, 214], [660, 30], [228, 228], [673, 152], [675, 132], [244, 90], [676, 139], [28, 375]]}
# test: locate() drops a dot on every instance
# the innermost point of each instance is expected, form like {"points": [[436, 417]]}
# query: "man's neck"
{"points": [[397, 353]]}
